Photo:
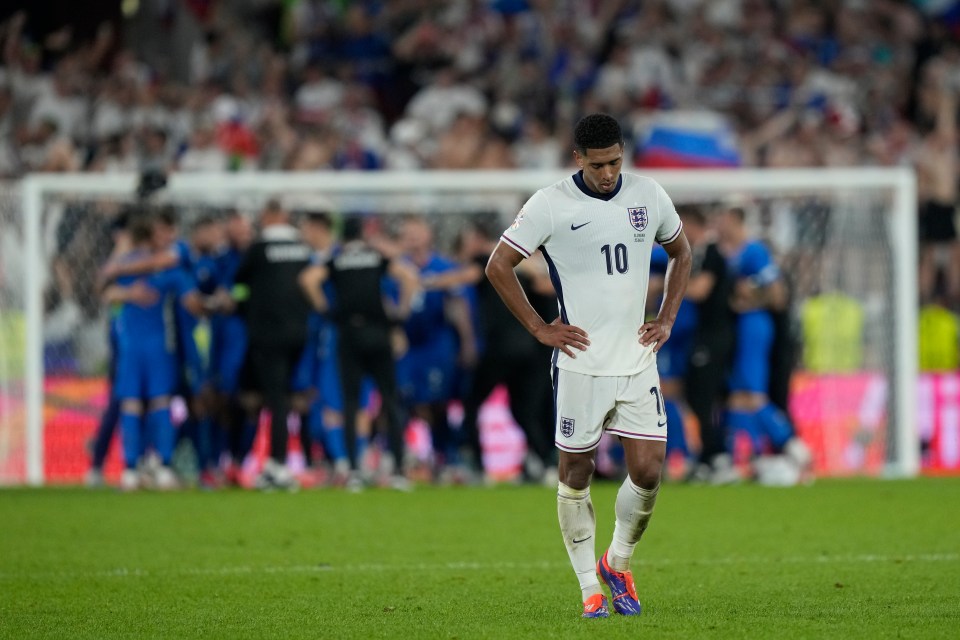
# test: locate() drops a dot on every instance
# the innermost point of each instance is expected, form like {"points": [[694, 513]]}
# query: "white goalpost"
{"points": [[865, 245]]}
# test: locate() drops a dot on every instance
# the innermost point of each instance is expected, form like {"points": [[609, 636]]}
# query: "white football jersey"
{"points": [[598, 251]]}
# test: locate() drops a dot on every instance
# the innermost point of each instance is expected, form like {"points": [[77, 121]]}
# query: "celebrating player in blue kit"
{"points": [[195, 338], [596, 230], [758, 287], [318, 369], [439, 330], [229, 347], [146, 365]]}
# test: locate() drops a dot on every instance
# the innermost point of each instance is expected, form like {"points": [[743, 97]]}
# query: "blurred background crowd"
{"points": [[206, 85], [308, 85]]}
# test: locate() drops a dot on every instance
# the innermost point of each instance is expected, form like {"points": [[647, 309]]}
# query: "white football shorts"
{"points": [[626, 406]]}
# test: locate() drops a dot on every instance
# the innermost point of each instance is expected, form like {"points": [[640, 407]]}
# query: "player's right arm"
{"points": [[137, 293], [700, 286], [712, 267], [500, 272], [409, 280], [141, 266], [464, 275], [311, 281], [241, 279]]}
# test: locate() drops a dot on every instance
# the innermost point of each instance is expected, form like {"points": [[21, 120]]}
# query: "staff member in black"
{"points": [[367, 327], [275, 310], [710, 287]]}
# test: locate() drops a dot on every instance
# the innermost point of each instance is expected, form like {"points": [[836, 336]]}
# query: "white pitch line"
{"points": [[467, 566]]}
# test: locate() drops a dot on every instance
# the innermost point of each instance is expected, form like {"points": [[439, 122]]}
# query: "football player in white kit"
{"points": [[596, 230]]}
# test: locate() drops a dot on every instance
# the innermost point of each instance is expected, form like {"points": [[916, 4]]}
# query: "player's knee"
{"points": [[746, 401], [251, 402], [332, 417], [645, 465], [648, 477], [576, 471], [672, 388], [131, 407], [200, 406], [300, 402], [161, 402]]}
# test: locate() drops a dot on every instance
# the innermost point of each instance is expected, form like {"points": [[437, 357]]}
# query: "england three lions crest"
{"points": [[566, 427], [638, 217]]}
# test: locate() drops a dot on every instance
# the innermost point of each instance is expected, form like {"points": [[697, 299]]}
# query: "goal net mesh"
{"points": [[12, 338], [834, 367]]}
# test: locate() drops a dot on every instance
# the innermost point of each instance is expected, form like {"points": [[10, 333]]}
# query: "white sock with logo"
{"points": [[634, 508], [578, 526]]}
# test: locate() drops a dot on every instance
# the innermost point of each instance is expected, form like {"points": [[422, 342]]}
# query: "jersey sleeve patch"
{"points": [[532, 225], [517, 221]]}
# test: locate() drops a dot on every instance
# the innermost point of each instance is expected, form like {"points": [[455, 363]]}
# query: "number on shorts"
{"points": [[659, 398]]}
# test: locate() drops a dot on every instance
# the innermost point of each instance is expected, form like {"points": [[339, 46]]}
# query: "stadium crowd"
{"points": [[312, 85]]}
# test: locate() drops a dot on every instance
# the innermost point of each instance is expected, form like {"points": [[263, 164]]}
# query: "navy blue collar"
{"points": [[578, 180]]}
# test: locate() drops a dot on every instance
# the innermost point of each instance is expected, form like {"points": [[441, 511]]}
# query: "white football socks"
{"points": [[634, 508], [578, 526]]}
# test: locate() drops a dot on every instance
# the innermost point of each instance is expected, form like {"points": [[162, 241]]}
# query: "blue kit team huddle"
{"points": [[176, 337], [162, 348]]}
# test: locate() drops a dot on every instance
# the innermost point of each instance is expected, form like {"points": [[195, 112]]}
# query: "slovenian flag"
{"points": [[687, 139]]}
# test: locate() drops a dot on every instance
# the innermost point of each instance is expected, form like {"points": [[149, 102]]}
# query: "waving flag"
{"points": [[676, 139]]}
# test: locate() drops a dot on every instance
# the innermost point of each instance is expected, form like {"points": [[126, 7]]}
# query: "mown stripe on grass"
{"points": [[122, 572]]}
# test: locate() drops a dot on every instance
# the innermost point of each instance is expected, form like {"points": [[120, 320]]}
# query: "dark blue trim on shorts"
{"points": [[589, 447], [555, 378], [636, 436]]}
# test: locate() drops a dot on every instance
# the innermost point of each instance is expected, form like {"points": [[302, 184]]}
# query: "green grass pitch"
{"points": [[840, 559]]}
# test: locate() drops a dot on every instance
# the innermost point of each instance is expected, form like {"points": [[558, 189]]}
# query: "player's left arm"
{"points": [[777, 296], [184, 287], [679, 259], [764, 288], [750, 295], [458, 313], [193, 302]]}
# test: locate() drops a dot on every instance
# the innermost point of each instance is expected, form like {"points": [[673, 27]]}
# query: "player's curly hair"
{"points": [[597, 131]]}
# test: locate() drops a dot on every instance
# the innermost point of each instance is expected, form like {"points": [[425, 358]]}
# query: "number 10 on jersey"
{"points": [[618, 259]]}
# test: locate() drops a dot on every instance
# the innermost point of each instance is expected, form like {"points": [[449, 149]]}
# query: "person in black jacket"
{"points": [[710, 287], [368, 330], [275, 310]]}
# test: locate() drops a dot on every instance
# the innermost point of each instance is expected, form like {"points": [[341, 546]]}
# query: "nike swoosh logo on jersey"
{"points": [[575, 541], [574, 227], [662, 424]]}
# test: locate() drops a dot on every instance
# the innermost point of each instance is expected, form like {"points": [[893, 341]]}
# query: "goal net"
{"points": [[845, 239]]}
